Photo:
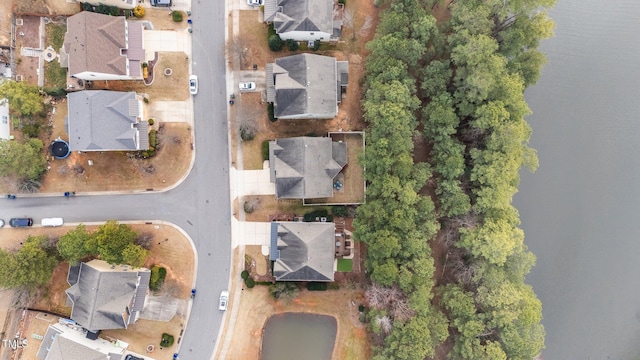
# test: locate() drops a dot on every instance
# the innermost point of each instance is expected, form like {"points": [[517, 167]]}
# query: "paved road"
{"points": [[200, 205]]}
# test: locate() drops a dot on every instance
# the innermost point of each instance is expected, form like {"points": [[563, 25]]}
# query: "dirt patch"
{"points": [[161, 19], [269, 208], [47, 7], [261, 261]]}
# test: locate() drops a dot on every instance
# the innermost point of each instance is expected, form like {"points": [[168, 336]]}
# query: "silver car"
{"points": [[224, 300], [247, 86], [193, 84], [255, 2]]}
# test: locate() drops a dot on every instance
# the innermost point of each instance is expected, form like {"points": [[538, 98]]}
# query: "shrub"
{"points": [[271, 113], [284, 289], [265, 150], [244, 274], [55, 91], [249, 282], [158, 274], [275, 43], [316, 45], [341, 2], [333, 286], [167, 340], [361, 308], [340, 211], [153, 138], [31, 129], [322, 213], [271, 30], [176, 15], [138, 12], [316, 286], [292, 45], [151, 122]]}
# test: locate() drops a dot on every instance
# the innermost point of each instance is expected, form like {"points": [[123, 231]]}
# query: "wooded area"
{"points": [[461, 82]]}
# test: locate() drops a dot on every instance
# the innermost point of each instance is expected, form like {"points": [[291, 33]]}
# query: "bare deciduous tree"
{"points": [[385, 324], [238, 50], [145, 239], [250, 204]]}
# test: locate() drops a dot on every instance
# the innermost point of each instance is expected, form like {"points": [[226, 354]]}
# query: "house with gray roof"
{"points": [[305, 167], [102, 120], [69, 342], [302, 251], [304, 20], [105, 296], [102, 47], [306, 86]]}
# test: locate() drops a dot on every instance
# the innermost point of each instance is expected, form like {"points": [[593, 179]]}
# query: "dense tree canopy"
{"points": [[25, 161], [24, 99], [461, 81]]}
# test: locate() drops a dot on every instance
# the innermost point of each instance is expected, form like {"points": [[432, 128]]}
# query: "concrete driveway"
{"points": [[171, 111], [166, 41]]}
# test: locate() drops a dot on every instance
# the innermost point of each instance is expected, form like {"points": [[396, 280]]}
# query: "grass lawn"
{"points": [[345, 265], [54, 75]]}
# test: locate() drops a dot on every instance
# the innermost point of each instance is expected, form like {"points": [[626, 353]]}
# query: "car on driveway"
{"points": [[224, 300], [21, 222], [247, 86], [132, 357], [193, 84], [255, 2], [1, 223], [161, 3]]}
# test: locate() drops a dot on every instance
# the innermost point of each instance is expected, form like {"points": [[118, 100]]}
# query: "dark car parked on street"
{"points": [[21, 222]]}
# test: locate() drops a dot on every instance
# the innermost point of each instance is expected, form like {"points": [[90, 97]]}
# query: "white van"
{"points": [[51, 222]]}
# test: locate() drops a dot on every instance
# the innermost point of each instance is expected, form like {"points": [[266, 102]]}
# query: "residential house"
{"points": [[305, 167], [66, 341], [302, 251], [306, 86], [102, 47], [105, 296], [304, 20], [102, 120]]}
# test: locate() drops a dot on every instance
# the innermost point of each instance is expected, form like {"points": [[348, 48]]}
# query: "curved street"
{"points": [[200, 205]]}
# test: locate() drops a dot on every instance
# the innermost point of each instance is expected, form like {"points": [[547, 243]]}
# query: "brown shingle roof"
{"points": [[94, 43]]}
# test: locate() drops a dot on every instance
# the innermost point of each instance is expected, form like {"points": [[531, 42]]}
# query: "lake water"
{"points": [[295, 336], [581, 210]]}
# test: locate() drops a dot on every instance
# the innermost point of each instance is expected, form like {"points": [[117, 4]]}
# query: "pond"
{"points": [[293, 336]]}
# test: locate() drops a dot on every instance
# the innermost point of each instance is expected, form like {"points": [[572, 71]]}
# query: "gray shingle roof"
{"points": [[304, 86], [300, 15], [106, 297], [304, 167], [305, 251], [64, 343], [98, 43], [105, 120]]}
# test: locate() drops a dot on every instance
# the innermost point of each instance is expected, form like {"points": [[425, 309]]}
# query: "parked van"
{"points": [[21, 222], [51, 222]]}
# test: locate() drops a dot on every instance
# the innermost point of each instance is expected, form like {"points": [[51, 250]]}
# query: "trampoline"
{"points": [[59, 149]]}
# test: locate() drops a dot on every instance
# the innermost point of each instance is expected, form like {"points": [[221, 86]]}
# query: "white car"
{"points": [[247, 86], [255, 2], [224, 300], [193, 84]]}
